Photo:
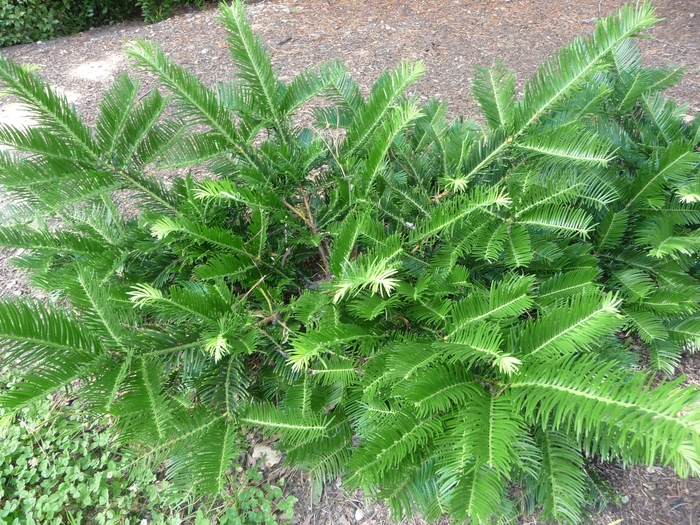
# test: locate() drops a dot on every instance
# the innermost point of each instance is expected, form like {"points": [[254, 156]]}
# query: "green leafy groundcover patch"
{"points": [[59, 466], [439, 311]]}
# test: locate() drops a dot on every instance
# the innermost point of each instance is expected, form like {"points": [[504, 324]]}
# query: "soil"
{"points": [[450, 37]]}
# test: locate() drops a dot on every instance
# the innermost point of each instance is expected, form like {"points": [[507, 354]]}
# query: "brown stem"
{"points": [[314, 230], [298, 214], [437, 198], [324, 258], [322, 245]]}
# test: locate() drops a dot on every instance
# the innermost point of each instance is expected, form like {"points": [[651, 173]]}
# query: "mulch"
{"points": [[450, 36]]}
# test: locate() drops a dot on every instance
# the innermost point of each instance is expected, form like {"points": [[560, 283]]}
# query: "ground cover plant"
{"points": [[452, 316], [58, 465]]}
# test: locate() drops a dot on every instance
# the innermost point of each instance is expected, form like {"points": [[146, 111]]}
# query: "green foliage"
{"points": [[155, 10], [438, 311], [57, 466], [259, 503], [25, 21]]}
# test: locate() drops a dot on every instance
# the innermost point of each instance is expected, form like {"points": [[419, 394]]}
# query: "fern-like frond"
{"points": [[563, 220], [59, 242], [648, 81], [666, 302], [664, 356], [567, 146], [685, 332], [48, 341], [634, 284], [575, 326], [200, 233], [294, 426], [181, 304], [309, 84], [610, 231], [438, 391], [375, 275], [145, 413], [412, 490], [473, 492], [449, 214], [253, 62], [235, 269], [485, 430], [480, 343], [408, 359], [609, 409], [388, 448], [481, 154], [115, 111], [31, 332], [508, 298], [195, 149], [388, 87], [345, 93], [665, 115], [560, 487], [564, 285], [39, 141], [324, 459], [576, 63], [48, 108], [98, 306], [646, 324], [195, 100], [346, 235], [518, 250], [673, 164], [494, 89], [664, 242], [51, 375], [384, 134], [328, 339], [205, 462], [148, 142]]}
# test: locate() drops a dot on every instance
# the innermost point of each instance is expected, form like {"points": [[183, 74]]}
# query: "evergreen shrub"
{"points": [[455, 317], [25, 21]]}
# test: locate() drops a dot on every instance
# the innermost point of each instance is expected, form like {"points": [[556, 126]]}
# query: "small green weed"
{"points": [[260, 503]]}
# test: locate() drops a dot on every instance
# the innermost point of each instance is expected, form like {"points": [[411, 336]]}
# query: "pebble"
{"points": [[359, 515]]}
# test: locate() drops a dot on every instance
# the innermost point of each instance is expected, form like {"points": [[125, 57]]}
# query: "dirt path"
{"points": [[450, 36]]}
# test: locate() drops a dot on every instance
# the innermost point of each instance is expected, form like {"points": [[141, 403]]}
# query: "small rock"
{"points": [[205, 51], [359, 515], [272, 456]]}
